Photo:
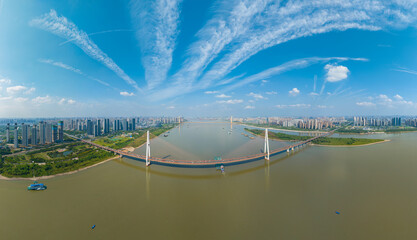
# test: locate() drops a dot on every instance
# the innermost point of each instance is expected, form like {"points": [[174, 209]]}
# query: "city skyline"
{"points": [[207, 58]]}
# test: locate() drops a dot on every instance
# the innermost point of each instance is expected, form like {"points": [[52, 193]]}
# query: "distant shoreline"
{"points": [[56, 175], [285, 130], [385, 140]]}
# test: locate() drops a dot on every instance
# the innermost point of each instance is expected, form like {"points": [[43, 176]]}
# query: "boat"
{"points": [[37, 186], [165, 135]]}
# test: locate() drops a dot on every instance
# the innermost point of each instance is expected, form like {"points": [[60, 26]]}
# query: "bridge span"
{"points": [[205, 163]]}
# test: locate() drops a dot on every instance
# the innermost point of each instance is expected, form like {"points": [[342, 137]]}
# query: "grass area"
{"points": [[345, 141], [278, 135], [360, 130], [52, 160], [402, 129], [286, 128], [319, 141], [134, 139]]}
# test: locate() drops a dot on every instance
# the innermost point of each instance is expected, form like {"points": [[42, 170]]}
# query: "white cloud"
{"points": [[156, 25], [398, 97], [366, 104], [384, 99], [288, 66], [256, 96], [72, 69], [272, 93], [231, 101], [20, 99], [322, 106], [31, 90], [222, 96], [15, 89], [66, 101], [64, 28], [264, 81], [171, 107], [289, 20], [231, 21], [211, 92], [127, 94], [294, 92], [5, 98], [5, 81], [41, 100], [313, 94], [299, 105], [336, 73], [249, 107]]}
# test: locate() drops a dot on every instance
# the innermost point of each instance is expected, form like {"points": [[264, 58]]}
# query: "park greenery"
{"points": [[69, 156], [52, 160], [133, 139], [318, 141]]}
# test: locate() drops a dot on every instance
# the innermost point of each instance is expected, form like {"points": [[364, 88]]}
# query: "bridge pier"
{"points": [[148, 150], [266, 145]]}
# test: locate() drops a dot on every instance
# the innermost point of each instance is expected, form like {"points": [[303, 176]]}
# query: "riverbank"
{"points": [[285, 130], [56, 175], [362, 145], [323, 141]]}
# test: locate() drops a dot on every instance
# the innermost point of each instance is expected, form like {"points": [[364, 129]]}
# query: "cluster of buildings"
{"points": [[412, 122], [103, 126], [305, 123], [377, 122], [43, 133]]}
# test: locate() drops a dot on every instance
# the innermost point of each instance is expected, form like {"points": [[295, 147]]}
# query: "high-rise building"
{"points": [[133, 124], [54, 133], [8, 133], [125, 128], [42, 131], [25, 135], [396, 121], [98, 131], [90, 127], [16, 135], [106, 126], [34, 136], [48, 133], [60, 131]]}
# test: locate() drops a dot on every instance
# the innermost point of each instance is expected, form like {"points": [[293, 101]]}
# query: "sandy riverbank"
{"points": [[59, 174], [386, 140]]}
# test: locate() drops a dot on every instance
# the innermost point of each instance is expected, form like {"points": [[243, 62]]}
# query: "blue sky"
{"points": [[207, 58]]}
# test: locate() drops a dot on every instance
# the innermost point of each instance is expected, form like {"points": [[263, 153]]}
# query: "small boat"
{"points": [[222, 168], [165, 135], [37, 186]]}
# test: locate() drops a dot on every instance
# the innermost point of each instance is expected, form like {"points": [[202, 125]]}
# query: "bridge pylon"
{"points": [[266, 145], [148, 150]]}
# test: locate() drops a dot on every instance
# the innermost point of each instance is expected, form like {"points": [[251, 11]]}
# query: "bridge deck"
{"points": [[202, 163]]}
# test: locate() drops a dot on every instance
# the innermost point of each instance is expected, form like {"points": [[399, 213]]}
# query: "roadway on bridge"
{"points": [[203, 163]]}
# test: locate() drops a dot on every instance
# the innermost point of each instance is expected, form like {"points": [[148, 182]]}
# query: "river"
{"points": [[293, 196]]}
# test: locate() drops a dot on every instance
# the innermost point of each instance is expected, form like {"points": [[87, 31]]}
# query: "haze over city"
{"points": [[207, 58]]}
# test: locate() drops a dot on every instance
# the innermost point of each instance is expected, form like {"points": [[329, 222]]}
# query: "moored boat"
{"points": [[37, 186]]}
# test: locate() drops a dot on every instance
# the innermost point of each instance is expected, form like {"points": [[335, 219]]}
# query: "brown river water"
{"points": [[293, 196]]}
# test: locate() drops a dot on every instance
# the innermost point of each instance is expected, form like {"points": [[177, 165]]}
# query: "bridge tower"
{"points": [[148, 150], [266, 145], [231, 122]]}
